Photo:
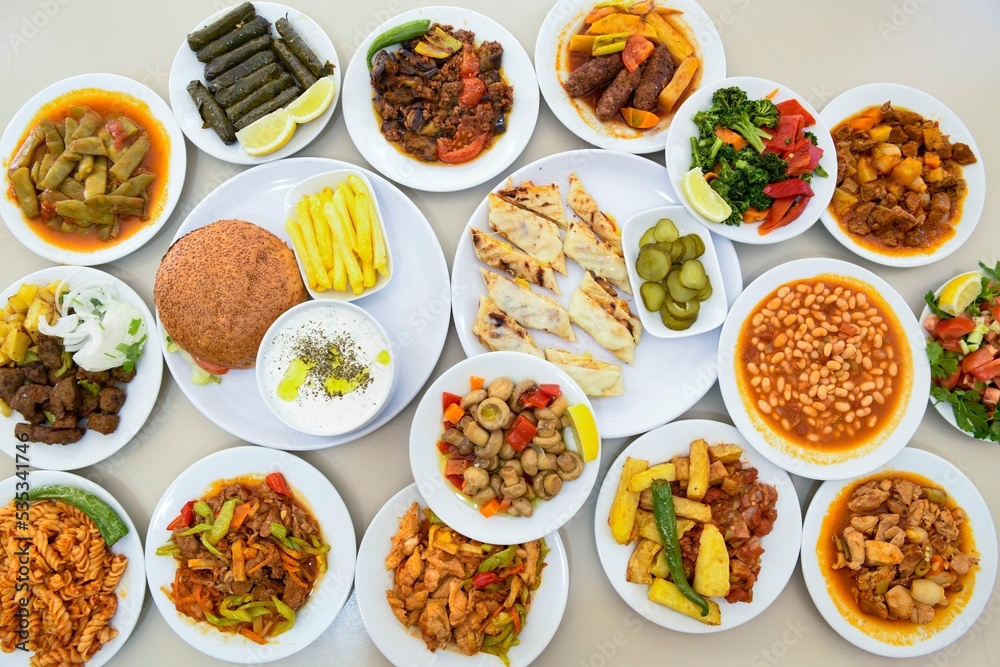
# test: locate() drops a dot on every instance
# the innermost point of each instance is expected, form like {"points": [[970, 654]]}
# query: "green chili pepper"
{"points": [[605, 45], [107, 521], [499, 559], [194, 530], [221, 622], [666, 522], [280, 533], [201, 508], [221, 526], [170, 549], [211, 547], [285, 611], [923, 567], [228, 611], [403, 32]]}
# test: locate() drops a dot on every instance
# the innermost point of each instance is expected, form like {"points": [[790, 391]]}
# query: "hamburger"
{"points": [[220, 287]]}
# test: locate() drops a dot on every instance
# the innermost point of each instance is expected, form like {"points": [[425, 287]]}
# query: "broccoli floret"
{"points": [[771, 166], [812, 137], [729, 99], [763, 113]]}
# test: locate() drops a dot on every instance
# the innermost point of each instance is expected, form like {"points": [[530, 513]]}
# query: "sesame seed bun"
{"points": [[220, 287]]}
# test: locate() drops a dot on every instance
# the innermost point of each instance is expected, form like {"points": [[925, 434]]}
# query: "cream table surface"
{"points": [[949, 49]]}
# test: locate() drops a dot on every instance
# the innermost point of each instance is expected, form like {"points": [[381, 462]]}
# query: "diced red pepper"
{"points": [[987, 372], [277, 483], [473, 90], [792, 107], [790, 187], [446, 448], [975, 359], [456, 466], [552, 390], [449, 399], [183, 519], [783, 134], [484, 579], [521, 433], [535, 399], [458, 481], [955, 327]]}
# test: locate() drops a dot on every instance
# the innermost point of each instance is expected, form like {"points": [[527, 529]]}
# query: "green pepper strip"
{"points": [[280, 533], [285, 611], [221, 622], [666, 522], [168, 550], [221, 526], [194, 530], [201, 508], [396, 35], [227, 610], [211, 547], [499, 559]]}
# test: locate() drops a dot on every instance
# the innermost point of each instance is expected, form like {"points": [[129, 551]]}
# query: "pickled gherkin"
{"points": [[653, 295], [676, 282], [652, 264]]}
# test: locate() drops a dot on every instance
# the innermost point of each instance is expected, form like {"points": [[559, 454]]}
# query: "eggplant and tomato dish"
{"points": [[439, 97]]}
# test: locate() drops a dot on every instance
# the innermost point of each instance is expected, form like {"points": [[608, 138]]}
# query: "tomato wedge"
{"points": [[987, 372], [473, 90], [955, 327], [637, 51], [470, 63], [209, 367], [976, 359], [951, 381], [453, 152]]}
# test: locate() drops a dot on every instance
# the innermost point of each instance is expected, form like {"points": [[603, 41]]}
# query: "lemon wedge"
{"points": [[959, 293], [313, 102], [267, 134], [703, 198], [585, 430]]}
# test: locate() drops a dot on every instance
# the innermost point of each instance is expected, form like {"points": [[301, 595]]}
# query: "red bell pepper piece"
{"points": [[783, 135], [277, 483], [790, 187], [484, 579], [446, 448], [552, 390], [789, 214], [183, 519], [535, 399], [458, 481], [521, 433], [955, 327], [449, 399], [792, 107]]}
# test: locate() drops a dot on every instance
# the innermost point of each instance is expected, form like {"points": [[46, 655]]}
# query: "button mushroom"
{"points": [[474, 397], [507, 452], [453, 437], [546, 439], [546, 484], [491, 413], [547, 461], [500, 388], [570, 466], [476, 479], [514, 485], [522, 387], [483, 496], [529, 461], [558, 406], [492, 446], [492, 463], [477, 434], [520, 507]]}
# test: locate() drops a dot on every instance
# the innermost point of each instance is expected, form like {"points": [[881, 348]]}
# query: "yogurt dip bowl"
{"points": [[326, 368]]}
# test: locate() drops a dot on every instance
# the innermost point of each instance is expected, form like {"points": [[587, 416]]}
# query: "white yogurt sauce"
{"points": [[364, 370]]}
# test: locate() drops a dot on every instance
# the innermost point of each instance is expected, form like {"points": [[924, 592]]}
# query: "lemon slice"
{"points": [[585, 430], [313, 102], [703, 198], [959, 293], [267, 134]]}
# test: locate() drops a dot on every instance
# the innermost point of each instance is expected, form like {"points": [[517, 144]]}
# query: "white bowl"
{"points": [[425, 460], [140, 394], [678, 159], [267, 383], [551, 63], [781, 545], [964, 493], [328, 594], [856, 100], [837, 464], [186, 68], [402, 646], [383, 155], [176, 169], [713, 310], [131, 590], [332, 179]]}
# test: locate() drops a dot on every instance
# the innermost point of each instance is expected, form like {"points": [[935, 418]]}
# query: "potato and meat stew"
{"points": [[899, 180], [825, 362], [503, 445], [698, 518], [898, 549]]}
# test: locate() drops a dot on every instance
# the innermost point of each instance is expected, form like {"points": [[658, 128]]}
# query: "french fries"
{"points": [[644, 480], [339, 239], [626, 502], [698, 472]]}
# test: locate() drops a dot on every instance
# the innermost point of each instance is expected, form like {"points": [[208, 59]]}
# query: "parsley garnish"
{"points": [[932, 304], [132, 353], [133, 327], [943, 363], [970, 413]]}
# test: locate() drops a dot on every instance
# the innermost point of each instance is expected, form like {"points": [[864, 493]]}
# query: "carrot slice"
{"points": [[753, 215], [730, 137], [639, 119], [476, 382], [771, 94], [490, 508]]}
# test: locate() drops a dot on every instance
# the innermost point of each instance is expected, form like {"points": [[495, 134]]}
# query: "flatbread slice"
{"points": [[606, 330], [535, 235], [545, 200], [596, 378], [498, 332], [584, 206], [501, 256], [593, 254], [605, 296], [528, 309]]}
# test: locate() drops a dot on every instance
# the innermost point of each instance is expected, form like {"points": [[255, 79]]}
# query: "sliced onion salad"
{"points": [[102, 331]]}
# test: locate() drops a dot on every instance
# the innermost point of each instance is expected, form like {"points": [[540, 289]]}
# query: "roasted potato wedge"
{"points": [[644, 480], [690, 509], [725, 453], [665, 593], [626, 502], [711, 569], [641, 561], [698, 474]]}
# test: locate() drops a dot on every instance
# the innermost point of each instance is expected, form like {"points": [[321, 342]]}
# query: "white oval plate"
{"points": [[623, 186], [405, 648], [132, 587], [177, 168], [140, 394], [313, 490], [858, 99], [781, 545], [363, 124], [678, 159], [834, 465], [964, 492], [944, 409], [414, 309], [445, 500], [551, 58], [713, 310], [186, 68]]}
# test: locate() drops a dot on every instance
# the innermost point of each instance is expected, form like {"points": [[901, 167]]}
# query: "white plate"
{"points": [[552, 60], [623, 185], [140, 394], [858, 99], [964, 493], [314, 185], [448, 503], [405, 648], [311, 489], [414, 309], [131, 589], [363, 122], [177, 167], [781, 545], [186, 68], [713, 310], [678, 159], [887, 441], [944, 409]]}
